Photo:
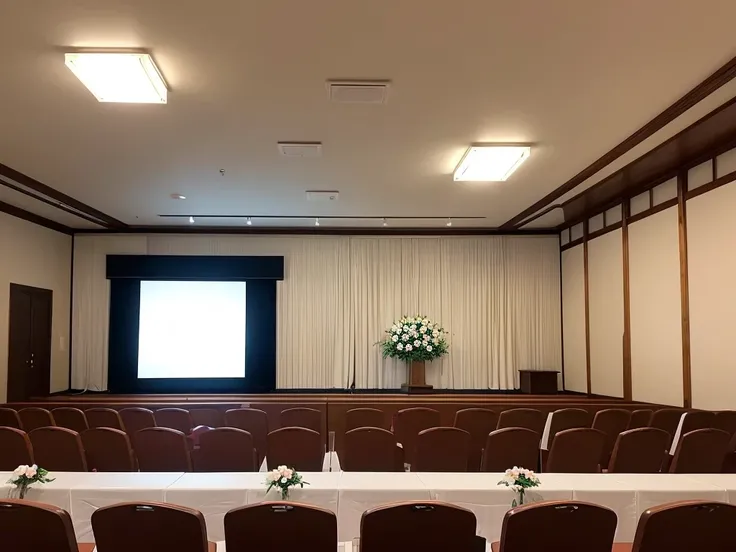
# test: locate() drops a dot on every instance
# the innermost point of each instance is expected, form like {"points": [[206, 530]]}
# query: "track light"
{"points": [[316, 221], [248, 221], [191, 220], [385, 222], [449, 222]]}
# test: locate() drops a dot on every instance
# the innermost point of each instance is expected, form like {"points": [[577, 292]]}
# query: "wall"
{"points": [[36, 256], [573, 319]]}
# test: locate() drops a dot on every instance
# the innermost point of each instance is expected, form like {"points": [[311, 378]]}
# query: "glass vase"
{"points": [[18, 492], [520, 501], [284, 493]]}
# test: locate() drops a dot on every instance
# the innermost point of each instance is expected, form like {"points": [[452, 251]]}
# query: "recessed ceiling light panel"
{"points": [[491, 162], [119, 77]]}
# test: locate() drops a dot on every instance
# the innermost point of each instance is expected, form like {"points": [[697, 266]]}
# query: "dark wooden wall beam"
{"points": [[588, 378], [687, 392], [34, 218], [627, 301]]}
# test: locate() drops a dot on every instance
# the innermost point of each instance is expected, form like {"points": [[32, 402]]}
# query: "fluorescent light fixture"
{"points": [[449, 222], [316, 221], [385, 222], [119, 77], [191, 220], [248, 221], [491, 162]]}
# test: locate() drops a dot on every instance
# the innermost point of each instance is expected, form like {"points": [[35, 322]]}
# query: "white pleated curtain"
{"points": [[498, 296]]}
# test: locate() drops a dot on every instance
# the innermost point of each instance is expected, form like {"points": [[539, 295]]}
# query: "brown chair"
{"points": [[58, 449], [296, 447], [372, 449], [686, 527], [698, 419], [611, 421], [567, 418], [32, 418], [725, 420], [576, 450], [149, 526], [108, 450], [700, 451], [104, 417], [640, 418], [511, 446], [308, 418], [225, 449], [364, 417], [528, 418], [279, 526], [479, 422], [411, 526], [174, 418], [162, 449], [15, 449], [729, 462], [70, 418], [34, 527], [559, 526], [10, 418], [136, 418], [442, 449], [210, 417], [407, 425], [667, 419], [639, 450], [254, 422]]}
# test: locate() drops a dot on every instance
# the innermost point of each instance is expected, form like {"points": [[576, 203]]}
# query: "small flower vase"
{"points": [[19, 491], [285, 493], [519, 502]]}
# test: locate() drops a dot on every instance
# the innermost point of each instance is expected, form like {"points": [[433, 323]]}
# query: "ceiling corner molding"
{"points": [[722, 76], [34, 218]]}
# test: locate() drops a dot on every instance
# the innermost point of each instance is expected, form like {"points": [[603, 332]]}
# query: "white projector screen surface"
{"points": [[192, 330]]}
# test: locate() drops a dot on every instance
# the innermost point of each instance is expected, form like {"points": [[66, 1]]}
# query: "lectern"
{"points": [[415, 380]]}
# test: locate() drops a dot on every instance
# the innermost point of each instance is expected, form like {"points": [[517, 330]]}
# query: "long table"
{"points": [[350, 494]]}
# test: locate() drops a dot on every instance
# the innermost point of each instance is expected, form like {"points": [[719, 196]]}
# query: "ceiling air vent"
{"points": [[365, 92], [300, 149]]}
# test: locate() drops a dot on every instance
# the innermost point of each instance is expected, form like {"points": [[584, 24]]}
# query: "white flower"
{"points": [[425, 321], [408, 347], [31, 472], [413, 327], [425, 338], [395, 338], [394, 328], [272, 476], [435, 333], [283, 480], [400, 346], [429, 348], [406, 328], [405, 337], [20, 470], [423, 329]]}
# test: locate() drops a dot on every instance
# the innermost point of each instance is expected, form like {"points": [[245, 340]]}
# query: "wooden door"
{"points": [[29, 353]]}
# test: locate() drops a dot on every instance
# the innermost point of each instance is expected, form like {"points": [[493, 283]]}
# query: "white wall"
{"points": [[711, 226], [573, 319], [606, 306], [36, 256]]}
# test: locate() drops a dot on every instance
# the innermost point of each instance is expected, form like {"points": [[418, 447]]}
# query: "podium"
{"points": [[416, 382], [538, 382]]}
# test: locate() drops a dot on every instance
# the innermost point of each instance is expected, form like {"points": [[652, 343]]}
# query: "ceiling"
{"points": [[573, 77]]}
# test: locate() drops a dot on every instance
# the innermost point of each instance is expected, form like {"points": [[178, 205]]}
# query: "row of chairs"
{"points": [[405, 527]]}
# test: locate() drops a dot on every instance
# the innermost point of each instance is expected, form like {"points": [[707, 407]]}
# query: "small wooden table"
{"points": [[538, 382]]}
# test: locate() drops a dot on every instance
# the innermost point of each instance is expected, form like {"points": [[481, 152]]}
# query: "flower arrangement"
{"points": [[414, 338], [283, 478], [519, 480], [25, 476]]}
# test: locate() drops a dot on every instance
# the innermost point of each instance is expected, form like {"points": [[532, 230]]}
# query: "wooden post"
{"points": [[416, 380]]}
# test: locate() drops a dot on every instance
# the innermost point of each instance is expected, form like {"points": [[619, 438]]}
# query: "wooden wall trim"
{"points": [[34, 218], [717, 183], [603, 231], [653, 211], [684, 290], [571, 244], [627, 300], [587, 307]]}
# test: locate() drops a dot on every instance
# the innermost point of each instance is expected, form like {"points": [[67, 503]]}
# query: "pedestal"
{"points": [[538, 382], [415, 381]]}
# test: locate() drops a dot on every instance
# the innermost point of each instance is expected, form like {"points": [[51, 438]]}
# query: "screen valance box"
{"points": [[195, 267]]}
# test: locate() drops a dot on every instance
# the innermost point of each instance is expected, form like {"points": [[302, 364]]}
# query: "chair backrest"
{"points": [[667, 419], [296, 447], [254, 422], [700, 451], [26, 525], [407, 425], [58, 449], [371, 449], [567, 418], [225, 449], [528, 418], [15, 449], [147, 527], [698, 419], [640, 450], [136, 418], [210, 417], [479, 422], [687, 526], [417, 526], [162, 449], [104, 417], [576, 450], [611, 421], [442, 449], [70, 418], [569, 526], [278, 526], [33, 418], [640, 418], [9, 418], [365, 417], [511, 446], [308, 418], [108, 450], [174, 418], [725, 420]]}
